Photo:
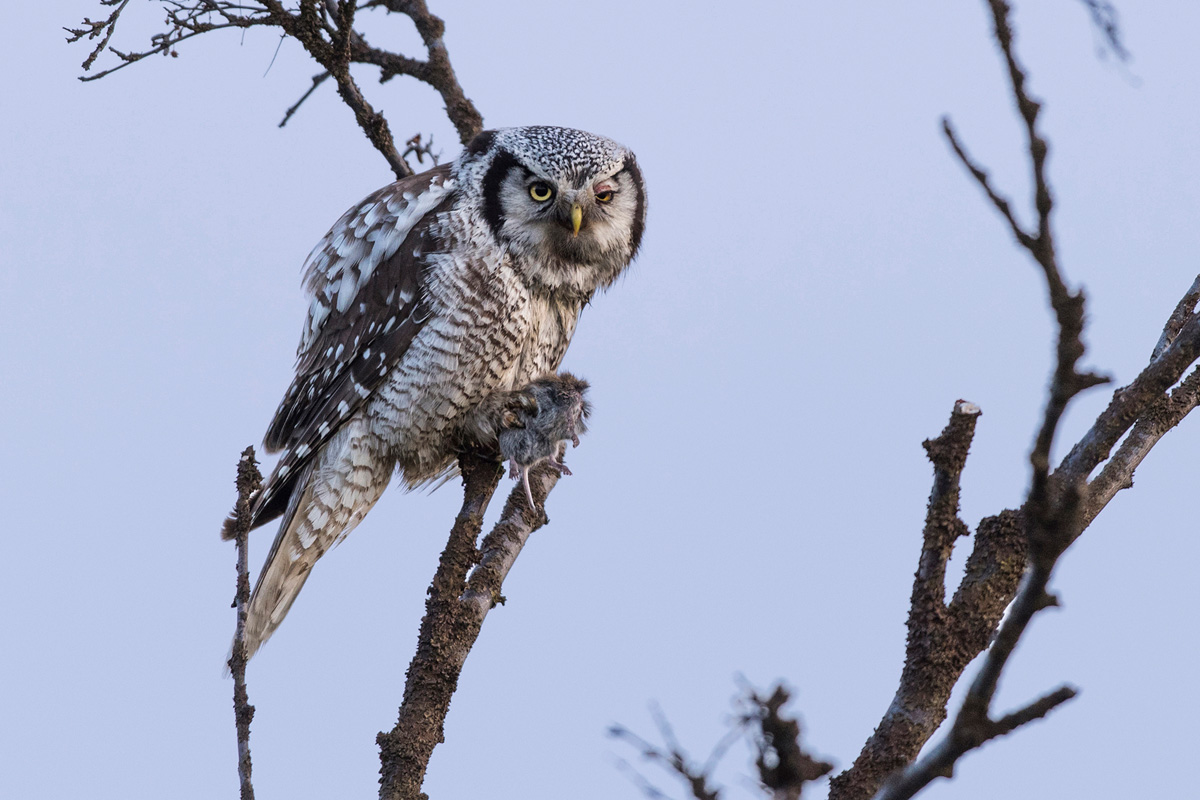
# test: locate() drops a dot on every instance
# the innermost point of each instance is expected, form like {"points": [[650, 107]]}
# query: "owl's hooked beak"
{"points": [[576, 218]]}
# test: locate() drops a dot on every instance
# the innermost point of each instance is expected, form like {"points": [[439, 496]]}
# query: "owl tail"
{"points": [[286, 569], [331, 496]]}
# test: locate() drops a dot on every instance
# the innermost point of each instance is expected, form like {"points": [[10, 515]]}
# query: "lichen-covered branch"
{"points": [[249, 480], [943, 639], [326, 31], [465, 588]]}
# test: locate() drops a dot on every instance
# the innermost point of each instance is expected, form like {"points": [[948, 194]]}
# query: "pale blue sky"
{"points": [[820, 282]]}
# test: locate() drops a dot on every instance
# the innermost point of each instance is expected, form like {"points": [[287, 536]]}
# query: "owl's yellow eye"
{"points": [[540, 192], [604, 197]]}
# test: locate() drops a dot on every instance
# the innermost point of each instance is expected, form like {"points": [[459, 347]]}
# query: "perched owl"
{"points": [[432, 301], [539, 431]]}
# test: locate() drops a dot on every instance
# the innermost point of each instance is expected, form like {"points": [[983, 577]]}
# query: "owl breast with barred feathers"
{"points": [[431, 300]]}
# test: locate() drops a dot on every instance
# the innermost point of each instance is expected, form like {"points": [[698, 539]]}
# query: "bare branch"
{"points": [[421, 148], [374, 124], [454, 615], [783, 766], [462, 112], [673, 759], [948, 452], [501, 547], [249, 480], [433, 673], [942, 640], [1104, 18], [1058, 507], [940, 761], [973, 726], [1142, 405], [186, 22], [1053, 512], [1117, 474], [1183, 313], [325, 28], [102, 29], [980, 174], [998, 558], [317, 80]]}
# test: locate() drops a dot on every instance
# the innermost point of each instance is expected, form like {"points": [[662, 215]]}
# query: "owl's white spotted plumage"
{"points": [[435, 294]]}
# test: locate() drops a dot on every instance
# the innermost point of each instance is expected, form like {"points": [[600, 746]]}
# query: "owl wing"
{"points": [[366, 286]]}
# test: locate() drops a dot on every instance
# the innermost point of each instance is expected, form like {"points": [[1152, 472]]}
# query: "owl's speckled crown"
{"points": [[561, 152]]}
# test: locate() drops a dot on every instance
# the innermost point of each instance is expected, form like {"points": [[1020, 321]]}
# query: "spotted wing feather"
{"points": [[365, 282]]}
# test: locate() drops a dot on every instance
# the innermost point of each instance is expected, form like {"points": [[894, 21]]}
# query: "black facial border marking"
{"points": [[639, 216], [503, 162]]}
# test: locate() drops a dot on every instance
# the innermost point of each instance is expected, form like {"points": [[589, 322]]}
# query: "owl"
{"points": [[540, 429], [432, 302]]}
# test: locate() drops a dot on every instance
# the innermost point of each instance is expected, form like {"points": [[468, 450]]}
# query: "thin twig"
{"points": [[249, 480], [1104, 17], [672, 758], [103, 29], [317, 80], [939, 763]]}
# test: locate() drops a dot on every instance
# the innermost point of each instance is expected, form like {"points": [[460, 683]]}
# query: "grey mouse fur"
{"points": [[533, 435]]}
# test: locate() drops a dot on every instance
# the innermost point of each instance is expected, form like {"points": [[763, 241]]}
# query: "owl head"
{"points": [[569, 206]]}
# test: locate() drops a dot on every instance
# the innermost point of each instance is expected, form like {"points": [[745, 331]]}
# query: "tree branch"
{"points": [[461, 111], [782, 763], [940, 761], [673, 758], [1058, 508], [454, 615], [1142, 405], [249, 480], [317, 80], [942, 640], [326, 31], [1104, 18]]}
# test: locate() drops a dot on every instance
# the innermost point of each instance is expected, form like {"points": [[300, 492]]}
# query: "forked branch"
{"points": [[326, 30], [943, 639], [465, 588]]}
